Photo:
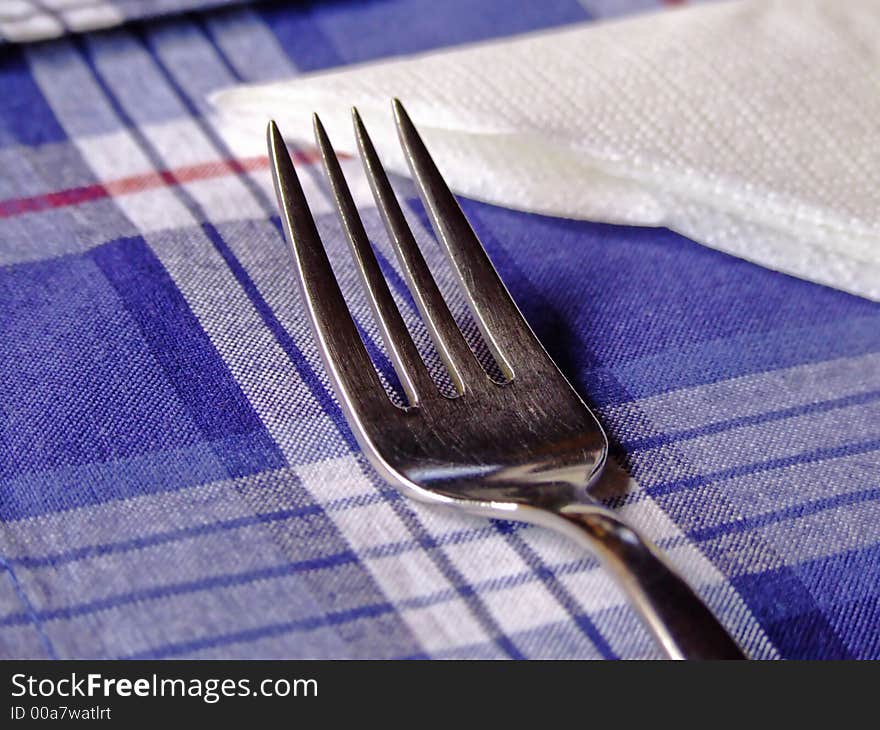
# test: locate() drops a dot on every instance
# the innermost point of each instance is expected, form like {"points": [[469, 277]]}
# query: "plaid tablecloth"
{"points": [[176, 479]]}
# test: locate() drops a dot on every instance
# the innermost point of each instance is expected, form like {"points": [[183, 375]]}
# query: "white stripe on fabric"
{"points": [[752, 395], [801, 538], [748, 445], [138, 517], [248, 44], [399, 575]]}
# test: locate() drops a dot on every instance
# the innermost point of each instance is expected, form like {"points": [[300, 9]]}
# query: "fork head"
{"points": [[496, 448]]}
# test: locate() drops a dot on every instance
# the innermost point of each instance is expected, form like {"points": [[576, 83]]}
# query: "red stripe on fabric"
{"points": [[142, 182]]}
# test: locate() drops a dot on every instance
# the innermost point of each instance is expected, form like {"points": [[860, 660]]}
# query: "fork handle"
{"points": [[678, 619]]}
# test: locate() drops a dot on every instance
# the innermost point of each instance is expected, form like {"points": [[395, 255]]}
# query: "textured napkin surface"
{"points": [[750, 127]]}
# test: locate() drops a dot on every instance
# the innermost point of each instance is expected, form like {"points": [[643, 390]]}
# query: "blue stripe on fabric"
{"points": [[401, 547], [789, 615], [200, 377], [847, 589], [334, 618], [736, 356], [55, 560], [789, 513], [455, 537], [68, 354], [29, 610], [684, 483], [319, 35], [419, 602], [664, 439], [504, 582], [305, 371], [326, 562], [169, 469], [322, 563], [25, 116], [298, 35]]}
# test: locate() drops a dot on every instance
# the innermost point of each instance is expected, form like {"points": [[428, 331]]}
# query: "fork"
{"points": [[526, 449]]}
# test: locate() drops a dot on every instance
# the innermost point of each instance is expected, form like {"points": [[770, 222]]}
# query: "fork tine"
{"points": [[498, 317], [408, 363], [448, 339], [345, 357]]}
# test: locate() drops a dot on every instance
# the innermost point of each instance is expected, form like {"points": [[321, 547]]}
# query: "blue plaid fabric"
{"points": [[176, 479], [30, 20]]}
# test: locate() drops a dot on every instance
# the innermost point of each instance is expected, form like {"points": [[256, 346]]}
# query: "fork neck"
{"points": [[680, 622]]}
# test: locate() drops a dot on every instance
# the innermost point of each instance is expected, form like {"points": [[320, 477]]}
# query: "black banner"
{"points": [[137, 692]]}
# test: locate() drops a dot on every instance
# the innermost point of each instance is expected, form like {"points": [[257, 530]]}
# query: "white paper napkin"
{"points": [[752, 127]]}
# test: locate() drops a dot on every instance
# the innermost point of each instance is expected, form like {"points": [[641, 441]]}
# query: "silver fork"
{"points": [[527, 449]]}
